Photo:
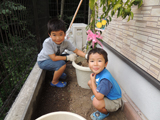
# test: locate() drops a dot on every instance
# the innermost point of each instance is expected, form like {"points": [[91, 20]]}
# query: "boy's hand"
{"points": [[71, 57], [93, 76]]}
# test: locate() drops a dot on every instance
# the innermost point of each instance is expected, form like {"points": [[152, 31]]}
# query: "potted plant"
{"points": [[122, 8]]}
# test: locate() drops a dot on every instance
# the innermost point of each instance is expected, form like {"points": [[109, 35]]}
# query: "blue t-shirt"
{"points": [[104, 87]]}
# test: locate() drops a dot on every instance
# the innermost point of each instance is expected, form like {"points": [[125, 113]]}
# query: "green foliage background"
{"points": [[17, 52]]}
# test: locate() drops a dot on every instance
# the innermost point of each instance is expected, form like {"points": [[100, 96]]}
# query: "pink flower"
{"points": [[93, 37]]}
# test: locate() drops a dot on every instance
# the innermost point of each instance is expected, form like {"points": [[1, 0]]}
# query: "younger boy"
{"points": [[107, 93], [51, 57]]}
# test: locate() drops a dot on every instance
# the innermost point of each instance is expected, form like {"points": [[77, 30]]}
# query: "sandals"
{"points": [[63, 76], [92, 97], [98, 115], [59, 84]]}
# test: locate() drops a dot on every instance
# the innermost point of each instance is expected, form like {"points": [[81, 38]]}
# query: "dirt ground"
{"points": [[72, 98]]}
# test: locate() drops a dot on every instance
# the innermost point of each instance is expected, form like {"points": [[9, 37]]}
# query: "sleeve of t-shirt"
{"points": [[70, 46], [104, 87], [47, 48]]}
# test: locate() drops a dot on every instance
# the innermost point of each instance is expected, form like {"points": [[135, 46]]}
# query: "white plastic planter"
{"points": [[83, 75], [61, 116]]}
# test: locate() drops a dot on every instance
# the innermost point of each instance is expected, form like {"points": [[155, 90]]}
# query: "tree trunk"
{"points": [[84, 19], [36, 25], [57, 8], [62, 8]]}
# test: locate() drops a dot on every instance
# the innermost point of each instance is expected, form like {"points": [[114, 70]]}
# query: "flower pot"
{"points": [[61, 116], [83, 75]]}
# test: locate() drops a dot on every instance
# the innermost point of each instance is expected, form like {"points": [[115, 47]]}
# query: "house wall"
{"points": [[139, 41], [145, 96]]}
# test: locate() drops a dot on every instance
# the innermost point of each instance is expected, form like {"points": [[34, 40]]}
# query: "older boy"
{"points": [[51, 57]]}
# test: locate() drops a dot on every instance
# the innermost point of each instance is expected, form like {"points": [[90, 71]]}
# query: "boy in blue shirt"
{"points": [[107, 93], [51, 57]]}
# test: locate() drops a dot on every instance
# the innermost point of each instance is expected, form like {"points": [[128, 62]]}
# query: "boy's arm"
{"points": [[70, 57], [55, 57], [98, 95], [79, 52]]}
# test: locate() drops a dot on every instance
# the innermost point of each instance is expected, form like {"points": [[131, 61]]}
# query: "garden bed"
{"points": [[72, 98]]}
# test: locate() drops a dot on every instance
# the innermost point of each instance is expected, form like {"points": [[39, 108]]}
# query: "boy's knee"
{"points": [[89, 83], [64, 65], [62, 62], [97, 104]]}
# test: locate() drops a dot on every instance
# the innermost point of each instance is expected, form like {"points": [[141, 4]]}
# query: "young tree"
{"points": [[62, 9]]}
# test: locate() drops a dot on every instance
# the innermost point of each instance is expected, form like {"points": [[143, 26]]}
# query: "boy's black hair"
{"points": [[99, 51], [56, 25]]}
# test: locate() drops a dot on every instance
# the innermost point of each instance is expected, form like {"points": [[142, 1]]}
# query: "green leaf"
{"points": [[112, 13], [119, 1], [127, 11], [104, 8], [117, 6], [107, 21], [3, 11], [113, 1], [102, 2], [91, 4], [140, 4], [106, 13], [128, 18], [127, 2], [131, 3], [96, 6], [110, 19], [108, 2], [121, 10], [132, 15], [118, 14]]}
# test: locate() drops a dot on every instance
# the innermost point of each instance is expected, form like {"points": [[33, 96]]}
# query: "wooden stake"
{"points": [[75, 13]]}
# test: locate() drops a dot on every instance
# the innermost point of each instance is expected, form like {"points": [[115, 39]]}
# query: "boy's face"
{"points": [[57, 36], [96, 63]]}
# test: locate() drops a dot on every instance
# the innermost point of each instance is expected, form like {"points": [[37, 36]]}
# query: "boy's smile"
{"points": [[97, 63], [57, 36]]}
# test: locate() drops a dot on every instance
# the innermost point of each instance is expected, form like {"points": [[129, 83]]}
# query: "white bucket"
{"points": [[61, 116], [83, 75]]}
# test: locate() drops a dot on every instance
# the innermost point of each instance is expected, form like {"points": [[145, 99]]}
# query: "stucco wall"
{"points": [[138, 39]]}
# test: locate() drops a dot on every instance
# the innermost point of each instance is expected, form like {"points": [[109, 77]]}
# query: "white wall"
{"points": [[142, 93]]}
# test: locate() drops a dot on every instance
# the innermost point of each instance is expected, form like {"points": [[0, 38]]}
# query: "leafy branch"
{"points": [[109, 9]]}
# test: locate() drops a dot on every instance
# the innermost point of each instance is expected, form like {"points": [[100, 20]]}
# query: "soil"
{"points": [[81, 61], [71, 98]]}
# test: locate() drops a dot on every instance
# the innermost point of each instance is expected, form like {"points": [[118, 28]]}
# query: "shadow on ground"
{"points": [[72, 98]]}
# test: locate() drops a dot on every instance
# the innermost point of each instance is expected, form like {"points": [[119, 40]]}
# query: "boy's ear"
{"points": [[49, 34], [106, 64]]}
